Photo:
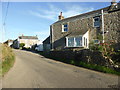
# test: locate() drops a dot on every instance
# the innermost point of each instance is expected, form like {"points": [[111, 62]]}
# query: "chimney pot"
{"points": [[60, 16], [60, 13], [113, 2]]}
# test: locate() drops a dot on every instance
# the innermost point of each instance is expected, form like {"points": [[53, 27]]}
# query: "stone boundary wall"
{"points": [[85, 55]]}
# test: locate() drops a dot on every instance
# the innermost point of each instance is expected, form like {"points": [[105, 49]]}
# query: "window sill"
{"points": [[64, 31], [73, 46], [96, 26]]}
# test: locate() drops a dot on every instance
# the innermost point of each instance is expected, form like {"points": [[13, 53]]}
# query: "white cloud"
{"points": [[76, 10], [52, 12], [49, 13], [48, 16]]}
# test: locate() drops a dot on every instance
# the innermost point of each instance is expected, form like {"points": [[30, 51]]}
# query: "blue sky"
{"points": [[35, 18]]}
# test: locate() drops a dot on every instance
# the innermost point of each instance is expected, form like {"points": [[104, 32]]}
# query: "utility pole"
{"points": [[103, 25]]}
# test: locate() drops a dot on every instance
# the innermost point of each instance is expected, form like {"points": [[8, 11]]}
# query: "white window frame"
{"points": [[74, 42], [64, 27], [96, 42], [97, 21]]}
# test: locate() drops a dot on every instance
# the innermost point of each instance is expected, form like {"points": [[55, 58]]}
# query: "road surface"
{"points": [[35, 71]]}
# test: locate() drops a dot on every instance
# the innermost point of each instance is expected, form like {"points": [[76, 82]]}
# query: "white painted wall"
{"points": [[29, 42], [10, 43], [86, 35], [39, 46]]}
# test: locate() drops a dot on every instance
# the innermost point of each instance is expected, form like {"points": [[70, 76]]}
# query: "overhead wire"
{"points": [[4, 21], [5, 18]]}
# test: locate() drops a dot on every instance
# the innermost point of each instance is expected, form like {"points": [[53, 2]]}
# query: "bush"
{"points": [[108, 50], [22, 45]]}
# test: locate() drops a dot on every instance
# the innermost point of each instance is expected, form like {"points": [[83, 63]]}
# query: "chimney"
{"points": [[60, 16], [113, 2]]}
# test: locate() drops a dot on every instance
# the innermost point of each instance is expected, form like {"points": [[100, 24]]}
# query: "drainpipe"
{"points": [[51, 37], [103, 26]]}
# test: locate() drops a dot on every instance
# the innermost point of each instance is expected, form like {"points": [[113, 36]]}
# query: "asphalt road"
{"points": [[35, 71]]}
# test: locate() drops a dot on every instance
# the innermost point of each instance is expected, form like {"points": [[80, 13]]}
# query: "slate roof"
{"points": [[47, 40], [113, 8], [108, 9], [9, 40], [28, 37], [77, 33]]}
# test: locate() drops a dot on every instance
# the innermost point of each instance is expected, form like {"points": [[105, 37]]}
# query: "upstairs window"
{"points": [[96, 22], [64, 27]]}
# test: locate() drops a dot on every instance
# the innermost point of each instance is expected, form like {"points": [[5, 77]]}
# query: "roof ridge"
{"points": [[90, 12]]}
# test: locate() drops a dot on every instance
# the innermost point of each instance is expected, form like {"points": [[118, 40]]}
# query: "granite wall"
{"points": [[75, 28], [112, 28], [84, 55], [79, 25]]}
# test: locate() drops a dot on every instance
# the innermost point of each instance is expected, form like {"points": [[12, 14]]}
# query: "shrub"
{"points": [[107, 49], [22, 45]]}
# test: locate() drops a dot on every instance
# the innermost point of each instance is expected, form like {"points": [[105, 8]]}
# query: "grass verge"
{"points": [[8, 59], [99, 68]]}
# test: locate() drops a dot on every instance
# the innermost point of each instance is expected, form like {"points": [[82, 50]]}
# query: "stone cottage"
{"points": [[79, 31]]}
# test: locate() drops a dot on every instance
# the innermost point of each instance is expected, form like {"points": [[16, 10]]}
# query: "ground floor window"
{"points": [[70, 42], [80, 41], [74, 41]]}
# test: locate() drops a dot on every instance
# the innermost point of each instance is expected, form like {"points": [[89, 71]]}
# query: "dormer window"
{"points": [[64, 27], [96, 22]]}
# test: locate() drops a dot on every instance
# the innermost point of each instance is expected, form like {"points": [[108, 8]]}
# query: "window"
{"points": [[96, 21], [74, 41], [64, 28], [96, 41], [78, 41], [71, 42], [86, 42]]}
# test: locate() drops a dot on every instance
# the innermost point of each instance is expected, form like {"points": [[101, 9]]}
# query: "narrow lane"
{"points": [[35, 71]]}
